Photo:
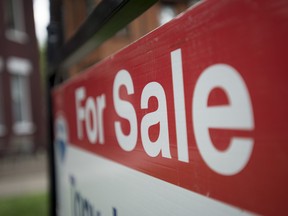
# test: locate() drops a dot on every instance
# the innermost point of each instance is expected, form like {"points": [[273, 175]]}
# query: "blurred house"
{"points": [[68, 15], [22, 122]]}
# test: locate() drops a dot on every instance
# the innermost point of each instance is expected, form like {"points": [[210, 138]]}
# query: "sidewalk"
{"points": [[22, 175]]}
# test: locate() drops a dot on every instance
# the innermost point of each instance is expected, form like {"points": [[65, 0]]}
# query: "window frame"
{"points": [[22, 67], [18, 32]]}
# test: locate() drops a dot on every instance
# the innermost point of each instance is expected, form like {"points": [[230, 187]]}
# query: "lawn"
{"points": [[24, 205]]}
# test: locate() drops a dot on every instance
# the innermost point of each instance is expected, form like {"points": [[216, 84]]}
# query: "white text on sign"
{"points": [[228, 162]]}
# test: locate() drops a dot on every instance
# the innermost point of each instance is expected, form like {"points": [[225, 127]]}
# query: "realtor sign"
{"points": [[192, 119]]}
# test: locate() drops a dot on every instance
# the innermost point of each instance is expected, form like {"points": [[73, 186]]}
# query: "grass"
{"points": [[24, 205]]}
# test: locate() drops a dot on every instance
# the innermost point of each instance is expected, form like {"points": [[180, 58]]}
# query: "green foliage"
{"points": [[25, 205]]}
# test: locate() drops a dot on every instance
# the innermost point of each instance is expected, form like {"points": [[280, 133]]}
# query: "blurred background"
{"points": [[31, 34]]}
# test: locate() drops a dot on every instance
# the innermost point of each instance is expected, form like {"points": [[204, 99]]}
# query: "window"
{"points": [[2, 122], [167, 13], [20, 70], [124, 32], [14, 17]]}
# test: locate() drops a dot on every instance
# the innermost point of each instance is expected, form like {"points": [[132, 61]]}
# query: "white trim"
{"points": [[16, 36], [19, 66], [23, 128]]}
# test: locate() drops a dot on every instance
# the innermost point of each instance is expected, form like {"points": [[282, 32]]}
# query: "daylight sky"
{"points": [[41, 16]]}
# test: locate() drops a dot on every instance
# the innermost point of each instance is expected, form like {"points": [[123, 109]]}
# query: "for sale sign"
{"points": [[192, 119]]}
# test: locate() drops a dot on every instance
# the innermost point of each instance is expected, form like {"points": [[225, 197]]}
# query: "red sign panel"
{"points": [[201, 103]]}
